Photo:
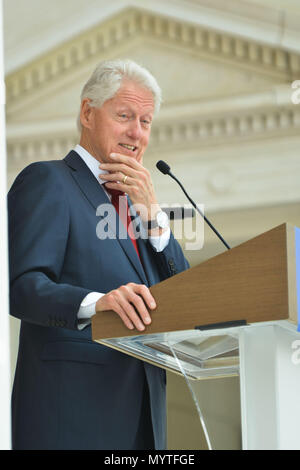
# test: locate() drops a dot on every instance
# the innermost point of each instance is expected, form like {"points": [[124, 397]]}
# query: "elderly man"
{"points": [[71, 393]]}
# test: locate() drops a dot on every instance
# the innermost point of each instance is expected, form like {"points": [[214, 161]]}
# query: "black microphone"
{"points": [[164, 168]]}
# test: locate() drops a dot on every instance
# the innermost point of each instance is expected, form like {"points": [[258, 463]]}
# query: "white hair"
{"points": [[107, 78]]}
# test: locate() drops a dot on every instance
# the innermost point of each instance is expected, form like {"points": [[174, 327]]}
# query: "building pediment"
{"points": [[149, 38], [192, 64], [220, 90], [187, 79]]}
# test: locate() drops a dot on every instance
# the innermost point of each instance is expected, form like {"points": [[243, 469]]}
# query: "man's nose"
{"points": [[134, 129]]}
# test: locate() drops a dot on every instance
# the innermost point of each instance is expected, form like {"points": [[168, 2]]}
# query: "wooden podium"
{"points": [[234, 314]]}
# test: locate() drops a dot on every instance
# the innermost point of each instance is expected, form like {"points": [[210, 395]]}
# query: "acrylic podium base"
{"points": [[264, 357], [189, 353]]}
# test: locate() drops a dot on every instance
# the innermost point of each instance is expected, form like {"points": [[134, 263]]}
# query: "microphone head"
{"points": [[163, 167]]}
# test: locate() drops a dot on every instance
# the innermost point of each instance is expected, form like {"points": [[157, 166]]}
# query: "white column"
{"points": [[270, 388], [5, 426]]}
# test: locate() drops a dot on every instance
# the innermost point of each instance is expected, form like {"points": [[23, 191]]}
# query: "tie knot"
{"points": [[114, 192]]}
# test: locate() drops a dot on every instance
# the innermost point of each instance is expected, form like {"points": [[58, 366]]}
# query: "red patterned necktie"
{"points": [[123, 214]]}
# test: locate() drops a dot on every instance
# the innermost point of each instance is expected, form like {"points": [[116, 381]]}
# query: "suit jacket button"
{"points": [[172, 266]]}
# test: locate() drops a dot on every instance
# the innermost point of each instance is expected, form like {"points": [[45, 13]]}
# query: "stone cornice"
{"points": [[273, 22], [102, 41], [230, 127]]}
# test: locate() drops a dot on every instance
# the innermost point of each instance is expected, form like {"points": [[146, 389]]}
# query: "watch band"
{"points": [[152, 224], [161, 220]]}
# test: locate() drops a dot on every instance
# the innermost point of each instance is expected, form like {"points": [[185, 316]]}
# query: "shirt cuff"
{"points": [[87, 309], [159, 243]]}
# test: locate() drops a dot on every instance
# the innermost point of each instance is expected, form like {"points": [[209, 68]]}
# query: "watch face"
{"points": [[162, 219]]}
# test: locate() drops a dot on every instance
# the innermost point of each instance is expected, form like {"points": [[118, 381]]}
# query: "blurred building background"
{"points": [[229, 126]]}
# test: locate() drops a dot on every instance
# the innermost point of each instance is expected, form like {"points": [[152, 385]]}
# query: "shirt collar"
{"points": [[91, 162]]}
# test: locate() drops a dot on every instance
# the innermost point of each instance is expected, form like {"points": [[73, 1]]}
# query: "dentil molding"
{"points": [[282, 65], [192, 132]]}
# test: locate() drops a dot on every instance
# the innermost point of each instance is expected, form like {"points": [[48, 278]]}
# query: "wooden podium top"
{"points": [[255, 282]]}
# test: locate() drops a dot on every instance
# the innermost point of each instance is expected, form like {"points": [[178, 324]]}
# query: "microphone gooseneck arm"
{"points": [[165, 169]]}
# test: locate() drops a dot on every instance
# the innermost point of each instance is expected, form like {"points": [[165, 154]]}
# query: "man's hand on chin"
{"points": [[128, 175]]}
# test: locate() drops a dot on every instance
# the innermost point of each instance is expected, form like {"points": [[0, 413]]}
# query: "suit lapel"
{"points": [[97, 196]]}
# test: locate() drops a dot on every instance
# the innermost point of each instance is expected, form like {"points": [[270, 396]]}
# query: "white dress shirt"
{"points": [[88, 305]]}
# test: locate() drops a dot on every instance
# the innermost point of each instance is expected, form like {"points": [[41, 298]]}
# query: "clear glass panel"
{"points": [[216, 357], [198, 356]]}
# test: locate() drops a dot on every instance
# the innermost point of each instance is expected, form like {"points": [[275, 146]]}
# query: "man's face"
{"points": [[122, 124]]}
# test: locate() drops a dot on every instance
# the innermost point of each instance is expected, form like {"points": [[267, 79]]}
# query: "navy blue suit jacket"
{"points": [[69, 392]]}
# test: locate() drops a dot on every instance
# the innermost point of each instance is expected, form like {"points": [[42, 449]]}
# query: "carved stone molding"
{"points": [[22, 153], [250, 125], [281, 64], [229, 128]]}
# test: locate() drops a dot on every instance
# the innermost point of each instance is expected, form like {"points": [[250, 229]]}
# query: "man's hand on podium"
{"points": [[131, 302]]}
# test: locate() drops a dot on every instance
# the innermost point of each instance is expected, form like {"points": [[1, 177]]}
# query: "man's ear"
{"points": [[86, 113]]}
